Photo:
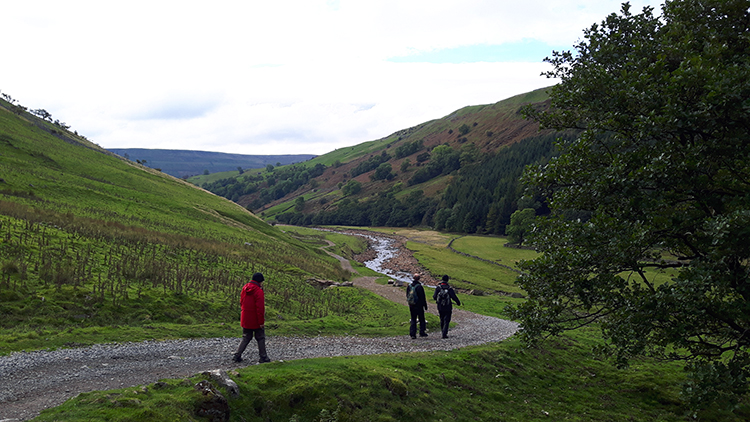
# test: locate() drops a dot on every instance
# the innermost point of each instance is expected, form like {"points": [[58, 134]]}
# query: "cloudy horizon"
{"points": [[287, 77]]}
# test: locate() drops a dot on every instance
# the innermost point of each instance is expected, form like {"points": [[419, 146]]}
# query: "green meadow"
{"points": [[465, 273], [492, 249]]}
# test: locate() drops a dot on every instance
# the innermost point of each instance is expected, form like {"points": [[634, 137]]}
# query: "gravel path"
{"points": [[33, 381]]}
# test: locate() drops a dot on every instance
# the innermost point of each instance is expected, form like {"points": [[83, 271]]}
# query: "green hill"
{"points": [[182, 163], [457, 173]]}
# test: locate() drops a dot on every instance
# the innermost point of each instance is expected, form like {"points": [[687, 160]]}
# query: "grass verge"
{"points": [[561, 381]]}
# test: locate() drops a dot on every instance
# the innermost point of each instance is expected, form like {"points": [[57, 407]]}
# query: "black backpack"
{"points": [[411, 295], [444, 297]]}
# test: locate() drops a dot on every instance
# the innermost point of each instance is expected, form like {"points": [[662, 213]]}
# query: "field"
{"points": [[342, 245], [492, 249]]}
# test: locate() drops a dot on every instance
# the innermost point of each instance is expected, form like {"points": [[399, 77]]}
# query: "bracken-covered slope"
{"points": [[403, 179]]}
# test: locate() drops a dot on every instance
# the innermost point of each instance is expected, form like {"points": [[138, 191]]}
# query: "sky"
{"points": [[277, 77]]}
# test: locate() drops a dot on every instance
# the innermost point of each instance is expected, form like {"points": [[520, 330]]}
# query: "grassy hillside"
{"points": [[106, 247]]}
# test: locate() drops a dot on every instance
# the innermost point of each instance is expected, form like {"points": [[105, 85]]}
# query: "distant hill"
{"points": [[183, 163], [458, 173]]}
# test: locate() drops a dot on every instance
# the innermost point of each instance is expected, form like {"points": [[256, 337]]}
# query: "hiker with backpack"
{"points": [[444, 296], [417, 305]]}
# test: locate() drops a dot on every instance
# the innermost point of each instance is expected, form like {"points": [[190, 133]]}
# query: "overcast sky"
{"points": [[277, 77]]}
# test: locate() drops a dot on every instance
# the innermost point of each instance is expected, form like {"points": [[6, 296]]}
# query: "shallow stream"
{"points": [[384, 250]]}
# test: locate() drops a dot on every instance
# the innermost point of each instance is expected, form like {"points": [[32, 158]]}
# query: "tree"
{"points": [[658, 181], [44, 114], [352, 187], [62, 125], [19, 109], [299, 204], [520, 225], [405, 165], [382, 172]]}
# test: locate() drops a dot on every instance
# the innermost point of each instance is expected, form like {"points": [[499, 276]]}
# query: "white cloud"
{"points": [[269, 77]]}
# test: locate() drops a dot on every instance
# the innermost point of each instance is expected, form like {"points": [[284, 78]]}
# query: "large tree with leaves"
{"points": [[658, 181]]}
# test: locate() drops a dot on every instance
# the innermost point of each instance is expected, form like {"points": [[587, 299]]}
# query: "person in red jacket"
{"points": [[253, 317]]}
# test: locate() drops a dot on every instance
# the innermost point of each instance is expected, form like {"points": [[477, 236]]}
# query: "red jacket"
{"points": [[252, 301]]}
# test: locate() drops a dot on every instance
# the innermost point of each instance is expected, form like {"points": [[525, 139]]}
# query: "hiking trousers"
{"points": [[445, 320], [260, 337], [417, 313]]}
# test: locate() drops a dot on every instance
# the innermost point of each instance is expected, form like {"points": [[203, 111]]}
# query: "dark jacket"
{"points": [[451, 292], [252, 301], [419, 290]]}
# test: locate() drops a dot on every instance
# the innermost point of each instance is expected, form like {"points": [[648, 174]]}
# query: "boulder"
{"points": [[320, 284], [213, 404], [220, 377]]}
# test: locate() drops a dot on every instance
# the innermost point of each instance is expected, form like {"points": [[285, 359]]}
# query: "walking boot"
{"points": [[262, 352]]}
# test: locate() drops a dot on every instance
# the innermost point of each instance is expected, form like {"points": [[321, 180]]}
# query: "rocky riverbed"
{"points": [[387, 254]]}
